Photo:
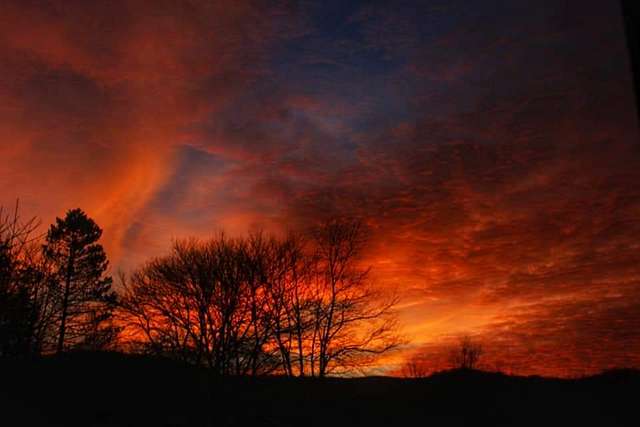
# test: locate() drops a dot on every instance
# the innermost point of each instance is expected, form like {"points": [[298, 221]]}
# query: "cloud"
{"points": [[490, 150], [99, 96]]}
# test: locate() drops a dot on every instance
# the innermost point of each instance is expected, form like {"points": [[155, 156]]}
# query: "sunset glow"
{"points": [[491, 151]]}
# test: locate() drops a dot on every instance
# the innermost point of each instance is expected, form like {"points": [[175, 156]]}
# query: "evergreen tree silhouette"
{"points": [[84, 298]]}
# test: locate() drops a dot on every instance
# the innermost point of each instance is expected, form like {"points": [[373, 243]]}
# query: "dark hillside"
{"points": [[118, 390]]}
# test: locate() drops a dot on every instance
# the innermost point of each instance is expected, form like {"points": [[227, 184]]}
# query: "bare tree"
{"points": [[15, 302], [467, 354], [287, 302], [414, 368], [352, 322], [27, 314], [259, 304], [202, 304]]}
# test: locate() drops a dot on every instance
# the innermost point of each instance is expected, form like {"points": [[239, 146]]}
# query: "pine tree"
{"points": [[84, 299]]}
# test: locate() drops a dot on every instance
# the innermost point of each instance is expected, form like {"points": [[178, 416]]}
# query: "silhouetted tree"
{"points": [[289, 303], [467, 354], [352, 323], [209, 302], [259, 304], [169, 301], [414, 368], [82, 293], [16, 305]]}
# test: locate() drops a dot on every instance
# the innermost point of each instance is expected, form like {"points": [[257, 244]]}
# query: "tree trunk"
{"points": [[65, 301]]}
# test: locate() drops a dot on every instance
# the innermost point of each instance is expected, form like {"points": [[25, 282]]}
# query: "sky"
{"points": [[491, 148]]}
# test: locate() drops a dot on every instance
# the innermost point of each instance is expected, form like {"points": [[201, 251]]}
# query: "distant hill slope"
{"points": [[105, 389]]}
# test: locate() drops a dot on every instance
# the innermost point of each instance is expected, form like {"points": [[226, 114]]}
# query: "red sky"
{"points": [[492, 150]]}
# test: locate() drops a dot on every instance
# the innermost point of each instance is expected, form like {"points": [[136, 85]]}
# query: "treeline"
{"points": [[54, 294], [300, 305]]}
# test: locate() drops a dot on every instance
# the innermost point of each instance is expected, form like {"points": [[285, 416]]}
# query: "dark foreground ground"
{"points": [[116, 390]]}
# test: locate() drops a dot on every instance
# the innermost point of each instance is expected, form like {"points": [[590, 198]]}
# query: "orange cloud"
{"points": [[492, 153]]}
